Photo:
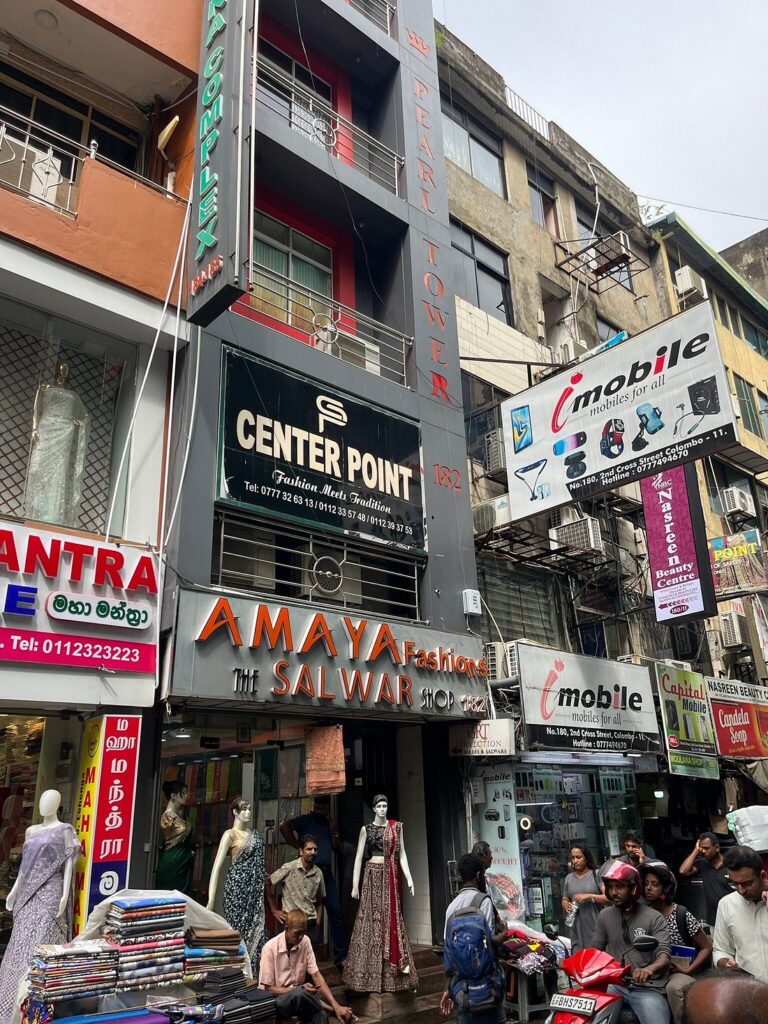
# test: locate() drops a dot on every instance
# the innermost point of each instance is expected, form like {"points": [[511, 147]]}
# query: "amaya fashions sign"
{"points": [[317, 456], [656, 401], [687, 720]]}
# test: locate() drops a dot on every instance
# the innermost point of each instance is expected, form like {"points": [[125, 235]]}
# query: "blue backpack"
{"points": [[475, 982]]}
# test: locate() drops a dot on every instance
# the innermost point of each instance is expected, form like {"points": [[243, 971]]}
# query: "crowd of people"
{"points": [[713, 971]]}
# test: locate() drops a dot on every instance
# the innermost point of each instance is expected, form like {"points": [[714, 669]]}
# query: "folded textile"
{"points": [[212, 937], [138, 903]]}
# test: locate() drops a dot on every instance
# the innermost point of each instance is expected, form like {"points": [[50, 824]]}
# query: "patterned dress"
{"points": [[380, 957], [244, 893]]}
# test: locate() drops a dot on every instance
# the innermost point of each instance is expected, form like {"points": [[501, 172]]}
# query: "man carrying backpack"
{"points": [[475, 984]]}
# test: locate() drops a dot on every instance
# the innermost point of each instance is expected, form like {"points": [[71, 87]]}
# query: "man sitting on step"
{"points": [[286, 961]]}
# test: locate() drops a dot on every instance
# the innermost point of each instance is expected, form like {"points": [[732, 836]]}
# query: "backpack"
{"points": [[682, 926], [475, 982]]}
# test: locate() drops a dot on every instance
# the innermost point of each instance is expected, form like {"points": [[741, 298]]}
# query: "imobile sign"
{"points": [[656, 401]]}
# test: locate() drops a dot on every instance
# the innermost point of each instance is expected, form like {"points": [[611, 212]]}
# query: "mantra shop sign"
{"points": [[251, 651], [70, 601]]}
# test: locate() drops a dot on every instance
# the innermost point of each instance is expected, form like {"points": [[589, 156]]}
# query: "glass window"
{"points": [[746, 398], [474, 149], [589, 231], [482, 275], [735, 322], [750, 335], [722, 310], [762, 403], [541, 191], [606, 331]]}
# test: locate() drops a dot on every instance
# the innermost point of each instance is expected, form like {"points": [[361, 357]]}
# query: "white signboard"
{"points": [[571, 702], [653, 402], [492, 737]]}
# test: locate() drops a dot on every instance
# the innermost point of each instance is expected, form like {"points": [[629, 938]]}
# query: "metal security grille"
{"points": [[282, 562], [27, 361], [521, 602]]}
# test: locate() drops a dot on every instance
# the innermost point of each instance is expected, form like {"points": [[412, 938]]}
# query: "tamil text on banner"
{"points": [[738, 563], [104, 809], [687, 721], [656, 401], [317, 456], [572, 702], [740, 715], [677, 550]]}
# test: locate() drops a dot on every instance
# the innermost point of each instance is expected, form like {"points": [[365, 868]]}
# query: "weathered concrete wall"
{"points": [[749, 257]]}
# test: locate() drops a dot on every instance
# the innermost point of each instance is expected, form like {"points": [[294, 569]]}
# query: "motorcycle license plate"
{"points": [[576, 1004]]}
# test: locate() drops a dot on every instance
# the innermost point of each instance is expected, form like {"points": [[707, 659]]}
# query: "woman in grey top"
{"points": [[583, 889]]}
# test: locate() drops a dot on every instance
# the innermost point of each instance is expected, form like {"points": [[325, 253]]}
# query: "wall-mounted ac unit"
{"points": [[630, 659], [581, 533], [736, 500], [490, 515], [564, 514], [572, 350], [328, 575], [495, 459], [733, 629], [503, 662], [610, 254], [683, 666], [689, 284]]}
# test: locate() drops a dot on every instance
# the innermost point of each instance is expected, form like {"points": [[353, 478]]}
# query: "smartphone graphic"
{"points": [[522, 435], [673, 722], [689, 727]]}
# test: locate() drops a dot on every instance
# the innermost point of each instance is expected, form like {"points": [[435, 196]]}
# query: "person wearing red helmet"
{"points": [[618, 926]]}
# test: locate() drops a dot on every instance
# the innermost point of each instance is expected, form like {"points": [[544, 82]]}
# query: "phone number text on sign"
{"points": [[41, 648]]}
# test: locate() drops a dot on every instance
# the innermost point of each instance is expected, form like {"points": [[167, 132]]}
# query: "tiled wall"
{"points": [[411, 808]]}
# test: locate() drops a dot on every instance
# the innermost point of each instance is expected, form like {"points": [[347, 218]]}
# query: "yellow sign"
{"points": [[88, 781]]}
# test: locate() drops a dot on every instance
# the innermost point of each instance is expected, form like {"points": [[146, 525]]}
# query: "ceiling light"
{"points": [[46, 20], [182, 734], [658, 793]]}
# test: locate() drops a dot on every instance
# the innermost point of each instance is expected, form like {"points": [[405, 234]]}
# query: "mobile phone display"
{"points": [[522, 435]]}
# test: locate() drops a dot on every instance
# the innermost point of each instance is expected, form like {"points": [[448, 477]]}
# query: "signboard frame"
{"points": [[689, 734], [740, 718], [737, 550]]}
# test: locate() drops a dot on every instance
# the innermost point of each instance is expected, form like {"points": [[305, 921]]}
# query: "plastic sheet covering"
{"points": [[57, 457]]}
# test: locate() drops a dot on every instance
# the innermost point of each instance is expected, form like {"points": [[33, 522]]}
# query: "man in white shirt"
{"points": [[741, 925]]}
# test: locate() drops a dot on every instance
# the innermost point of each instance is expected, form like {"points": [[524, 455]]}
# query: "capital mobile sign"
{"points": [[571, 702], [656, 401]]}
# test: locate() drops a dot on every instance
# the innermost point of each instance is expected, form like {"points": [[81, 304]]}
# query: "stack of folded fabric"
{"points": [[72, 971], [222, 983], [148, 935], [249, 1006], [208, 949]]}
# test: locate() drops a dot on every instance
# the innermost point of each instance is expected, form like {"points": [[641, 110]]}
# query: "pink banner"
{"points": [[675, 574], [42, 648]]}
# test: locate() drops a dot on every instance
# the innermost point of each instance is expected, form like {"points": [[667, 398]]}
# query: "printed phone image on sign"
{"points": [[522, 435]]}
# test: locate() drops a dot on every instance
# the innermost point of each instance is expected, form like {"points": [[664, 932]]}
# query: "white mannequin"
{"points": [[242, 824], [380, 812], [49, 805]]}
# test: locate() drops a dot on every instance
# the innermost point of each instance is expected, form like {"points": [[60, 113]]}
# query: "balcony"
{"points": [[317, 121], [326, 324], [380, 12]]}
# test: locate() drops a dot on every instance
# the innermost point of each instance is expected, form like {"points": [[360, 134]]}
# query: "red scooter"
{"points": [[588, 1002]]}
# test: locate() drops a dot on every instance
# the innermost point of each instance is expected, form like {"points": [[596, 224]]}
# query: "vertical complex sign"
{"points": [[687, 720], [740, 713], [737, 562], [680, 578], [656, 401], [104, 809], [218, 233]]}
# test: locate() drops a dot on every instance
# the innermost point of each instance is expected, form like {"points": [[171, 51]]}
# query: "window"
{"points": [[474, 149], [483, 279], [747, 406], [588, 232], [720, 475], [606, 331], [302, 98], [541, 191], [735, 322], [293, 276], [482, 415], [762, 403], [754, 337]]}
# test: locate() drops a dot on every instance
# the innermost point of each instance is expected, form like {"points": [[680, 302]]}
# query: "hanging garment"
{"points": [[325, 760]]}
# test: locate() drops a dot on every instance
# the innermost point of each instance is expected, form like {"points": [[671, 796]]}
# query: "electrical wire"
{"points": [[192, 414], [703, 209]]}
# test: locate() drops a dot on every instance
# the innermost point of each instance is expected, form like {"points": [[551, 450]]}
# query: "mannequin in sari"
{"points": [[244, 884], [41, 898], [380, 957], [177, 857]]}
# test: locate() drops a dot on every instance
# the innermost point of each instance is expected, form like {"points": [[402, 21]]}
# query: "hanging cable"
{"points": [[192, 413]]}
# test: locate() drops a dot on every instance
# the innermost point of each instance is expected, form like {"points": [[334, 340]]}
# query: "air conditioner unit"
{"points": [[489, 515], [572, 350], [689, 284], [683, 666], [328, 575], [733, 629], [564, 514], [610, 254], [630, 659], [503, 662], [737, 500], [495, 459], [581, 533]]}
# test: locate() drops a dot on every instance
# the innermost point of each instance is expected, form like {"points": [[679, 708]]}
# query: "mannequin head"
{"points": [[62, 372], [241, 809], [380, 805], [175, 792], [49, 804]]}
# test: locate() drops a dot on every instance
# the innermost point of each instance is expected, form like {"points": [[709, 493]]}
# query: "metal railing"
{"points": [[317, 121], [45, 166], [529, 114], [329, 325], [380, 12]]}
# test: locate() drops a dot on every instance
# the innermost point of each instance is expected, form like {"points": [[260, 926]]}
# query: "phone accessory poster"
{"points": [[498, 827], [687, 721], [653, 402], [740, 715]]}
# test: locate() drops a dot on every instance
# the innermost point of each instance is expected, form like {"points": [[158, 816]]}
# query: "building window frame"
{"points": [[584, 224], [480, 145], [489, 264], [543, 196], [746, 399]]}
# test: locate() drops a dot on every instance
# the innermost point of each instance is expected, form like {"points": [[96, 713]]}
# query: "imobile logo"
{"points": [[554, 695], [639, 371]]}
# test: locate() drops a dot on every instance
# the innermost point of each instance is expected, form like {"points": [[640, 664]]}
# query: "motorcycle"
{"points": [[592, 971]]}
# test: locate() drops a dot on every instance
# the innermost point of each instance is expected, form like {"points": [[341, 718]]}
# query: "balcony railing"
{"points": [[380, 12], [529, 114], [317, 121], [45, 166], [329, 325]]}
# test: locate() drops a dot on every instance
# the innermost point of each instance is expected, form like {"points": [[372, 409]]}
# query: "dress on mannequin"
{"points": [[177, 858], [41, 899]]}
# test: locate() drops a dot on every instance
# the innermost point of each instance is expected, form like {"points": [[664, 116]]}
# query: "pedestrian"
{"points": [[583, 897], [659, 889], [286, 960], [483, 850], [726, 997], [302, 887], [706, 861], [741, 925], [320, 824], [618, 926], [472, 897]]}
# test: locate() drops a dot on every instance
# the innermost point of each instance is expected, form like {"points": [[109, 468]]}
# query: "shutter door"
{"points": [[522, 603]]}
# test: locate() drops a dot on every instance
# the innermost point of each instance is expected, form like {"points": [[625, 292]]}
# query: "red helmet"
{"points": [[620, 871]]}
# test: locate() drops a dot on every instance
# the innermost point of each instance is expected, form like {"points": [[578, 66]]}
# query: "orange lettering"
{"points": [[283, 682], [425, 147], [405, 686], [281, 627], [417, 42], [304, 683], [221, 618], [438, 351], [431, 251], [318, 630], [434, 285], [384, 641], [440, 387], [385, 691], [426, 173], [355, 635], [420, 89], [356, 685], [435, 315]]}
